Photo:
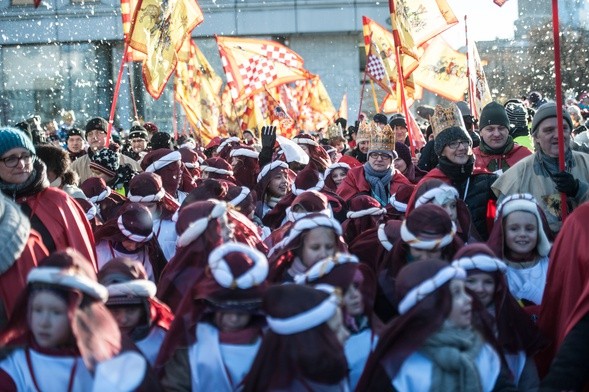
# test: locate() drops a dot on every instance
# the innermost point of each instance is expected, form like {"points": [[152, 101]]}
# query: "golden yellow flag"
{"points": [[196, 88], [252, 65], [442, 70], [478, 85], [343, 108], [159, 30], [231, 113], [127, 11], [426, 18], [317, 110]]}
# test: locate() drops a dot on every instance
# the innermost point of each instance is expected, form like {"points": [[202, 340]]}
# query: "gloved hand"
{"points": [[566, 183], [268, 136]]}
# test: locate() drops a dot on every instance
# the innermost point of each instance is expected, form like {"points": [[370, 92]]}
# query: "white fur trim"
{"points": [[399, 206], [210, 169], [241, 197], [100, 197], [428, 286], [244, 152], [190, 144], [191, 165], [68, 278], [306, 320], [482, 262], [295, 216], [382, 237], [91, 213], [337, 165], [269, 167], [227, 141], [374, 211], [434, 244], [222, 272], [438, 196], [306, 224], [196, 228], [318, 186], [304, 140], [324, 267], [147, 198], [130, 235], [142, 288], [173, 156]]}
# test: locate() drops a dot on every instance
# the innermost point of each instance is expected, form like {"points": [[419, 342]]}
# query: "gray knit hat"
{"points": [[493, 114], [14, 233], [548, 110]]}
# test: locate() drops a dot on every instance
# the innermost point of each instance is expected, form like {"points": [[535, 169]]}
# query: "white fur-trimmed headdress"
{"points": [[439, 195], [196, 228], [221, 269], [173, 156], [69, 279], [323, 267], [426, 244], [480, 262]]}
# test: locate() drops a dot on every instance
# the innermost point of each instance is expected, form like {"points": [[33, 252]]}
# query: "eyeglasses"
{"points": [[454, 145], [376, 155], [12, 161]]}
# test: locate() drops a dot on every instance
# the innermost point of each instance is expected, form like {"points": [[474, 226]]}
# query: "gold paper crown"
{"points": [[334, 130], [382, 139], [364, 131], [444, 118]]}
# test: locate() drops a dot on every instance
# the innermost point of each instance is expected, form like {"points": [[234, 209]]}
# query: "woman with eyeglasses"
{"points": [[377, 177], [54, 214], [453, 146]]}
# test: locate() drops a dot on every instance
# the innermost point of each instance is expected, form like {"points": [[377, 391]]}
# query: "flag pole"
{"points": [[401, 83], [131, 89], [175, 119], [116, 94], [362, 90], [470, 86], [376, 107], [559, 117]]}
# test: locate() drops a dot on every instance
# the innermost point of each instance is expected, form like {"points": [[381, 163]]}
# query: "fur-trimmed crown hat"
{"points": [[135, 222], [308, 179], [448, 126]]}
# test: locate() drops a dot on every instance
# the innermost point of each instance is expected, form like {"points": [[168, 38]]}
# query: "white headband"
{"points": [[324, 267], [428, 286], [433, 244], [67, 278], [147, 198], [223, 274], [244, 152], [374, 211], [399, 206], [241, 197], [130, 235], [318, 186], [306, 320], [337, 165], [305, 140], [307, 224], [295, 216], [439, 195], [269, 167], [196, 228], [142, 288], [173, 156], [101, 196], [382, 237], [91, 213], [226, 142], [482, 262]]}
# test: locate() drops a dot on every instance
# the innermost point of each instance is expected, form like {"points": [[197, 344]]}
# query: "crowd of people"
{"points": [[338, 260]]}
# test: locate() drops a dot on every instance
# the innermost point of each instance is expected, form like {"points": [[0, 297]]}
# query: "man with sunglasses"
{"points": [[377, 177]]}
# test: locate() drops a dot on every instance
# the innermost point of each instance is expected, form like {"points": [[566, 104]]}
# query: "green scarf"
{"points": [[453, 352]]}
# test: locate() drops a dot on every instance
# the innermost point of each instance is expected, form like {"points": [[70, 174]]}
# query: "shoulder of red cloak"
{"points": [[350, 160], [566, 294], [277, 235], [14, 280], [161, 314], [365, 247], [517, 152], [66, 221], [276, 215], [353, 184], [335, 200], [188, 181]]}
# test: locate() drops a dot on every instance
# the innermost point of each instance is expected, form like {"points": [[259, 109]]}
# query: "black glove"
{"points": [[566, 183], [268, 136]]}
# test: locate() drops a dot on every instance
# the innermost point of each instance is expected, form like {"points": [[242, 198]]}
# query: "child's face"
{"points": [[127, 317], [461, 314], [483, 285], [49, 320], [521, 232], [278, 185], [353, 301], [338, 175], [231, 321], [131, 246], [318, 244]]}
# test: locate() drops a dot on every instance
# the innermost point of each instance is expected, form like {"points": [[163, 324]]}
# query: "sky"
{"points": [[486, 21]]}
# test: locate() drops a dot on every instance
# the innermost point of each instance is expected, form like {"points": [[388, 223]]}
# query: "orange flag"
{"points": [[442, 70], [128, 8], [159, 30], [196, 88], [252, 65], [426, 18], [343, 108]]}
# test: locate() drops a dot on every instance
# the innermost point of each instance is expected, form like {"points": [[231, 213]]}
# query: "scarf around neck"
{"points": [[550, 164], [380, 183], [497, 151], [453, 352], [457, 173]]}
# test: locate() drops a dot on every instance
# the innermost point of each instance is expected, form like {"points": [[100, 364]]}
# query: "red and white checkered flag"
{"points": [[253, 65]]}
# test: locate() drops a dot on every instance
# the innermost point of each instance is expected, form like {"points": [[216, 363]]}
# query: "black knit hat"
{"points": [[137, 132], [380, 118], [403, 152], [105, 161], [161, 140], [449, 135], [397, 119], [97, 123], [76, 132], [493, 114]]}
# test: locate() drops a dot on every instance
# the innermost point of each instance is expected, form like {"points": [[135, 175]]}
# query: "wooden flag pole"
{"points": [[376, 107], [470, 85], [115, 97], [559, 117], [401, 83], [131, 90]]}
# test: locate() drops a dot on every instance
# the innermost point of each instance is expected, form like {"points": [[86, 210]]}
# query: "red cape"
{"points": [[355, 183], [517, 153]]}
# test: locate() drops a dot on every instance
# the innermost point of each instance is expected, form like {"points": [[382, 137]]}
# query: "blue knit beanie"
{"points": [[13, 138]]}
